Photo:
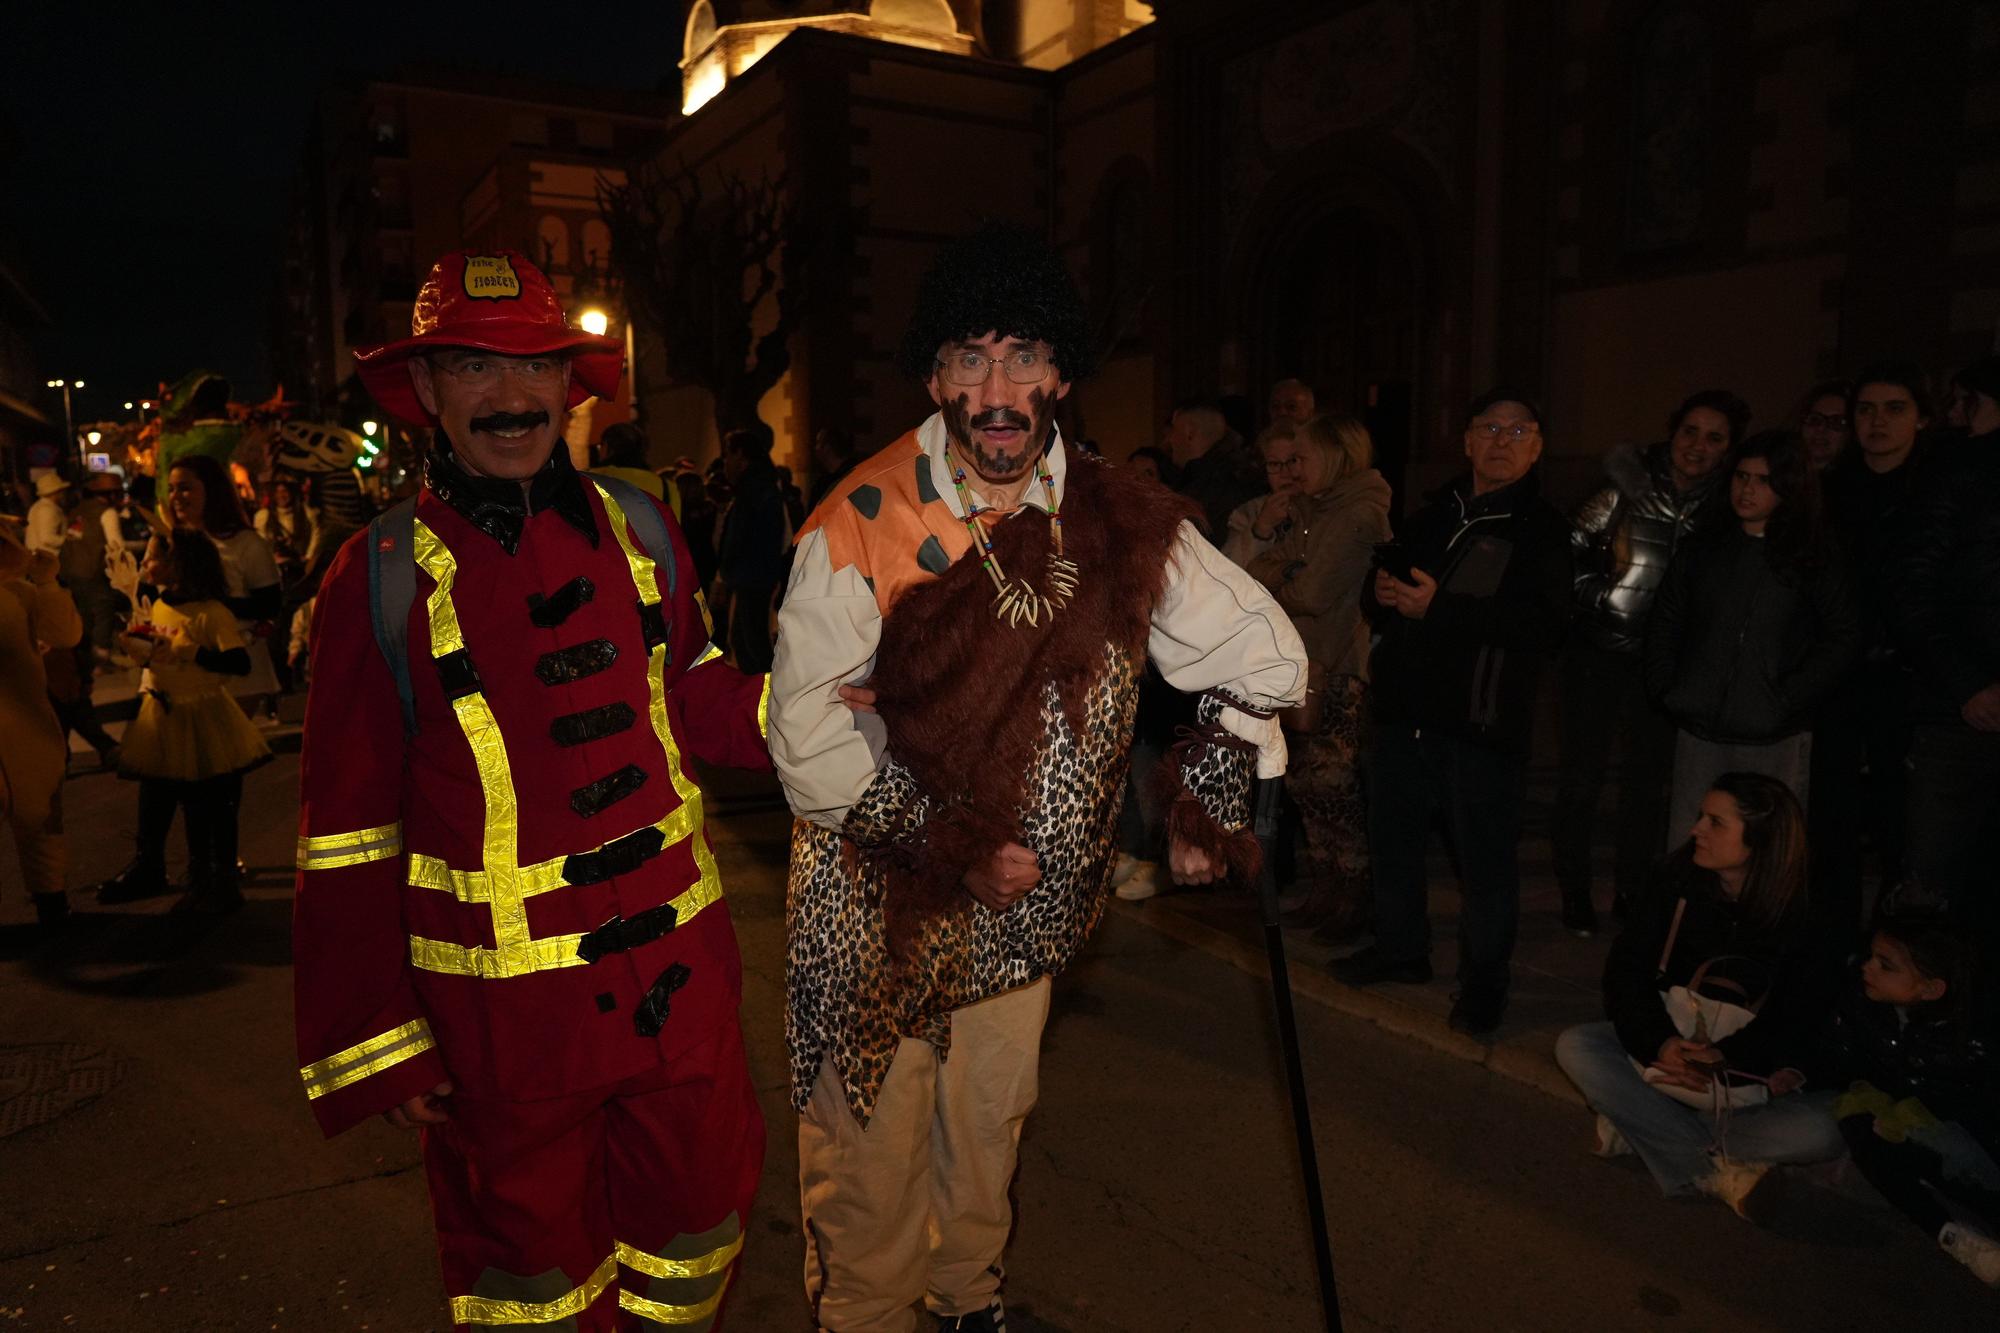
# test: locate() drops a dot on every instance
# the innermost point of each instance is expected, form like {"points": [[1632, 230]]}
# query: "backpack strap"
{"points": [[643, 512], [392, 591]]}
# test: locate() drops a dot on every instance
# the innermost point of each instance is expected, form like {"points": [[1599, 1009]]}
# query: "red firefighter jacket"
{"points": [[454, 884]]}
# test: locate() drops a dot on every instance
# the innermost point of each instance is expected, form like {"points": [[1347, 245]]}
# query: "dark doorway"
{"points": [[1342, 312]]}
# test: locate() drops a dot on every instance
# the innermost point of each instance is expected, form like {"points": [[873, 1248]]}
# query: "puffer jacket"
{"points": [[1737, 652], [1317, 566], [1624, 536], [1948, 572]]}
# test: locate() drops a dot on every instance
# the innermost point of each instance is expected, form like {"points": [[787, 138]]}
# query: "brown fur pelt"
{"points": [[961, 691]]}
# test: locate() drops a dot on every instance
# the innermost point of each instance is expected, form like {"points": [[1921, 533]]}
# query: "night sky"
{"points": [[146, 157]]}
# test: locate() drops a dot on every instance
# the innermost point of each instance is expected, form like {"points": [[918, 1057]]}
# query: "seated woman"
{"points": [[1708, 1100]]}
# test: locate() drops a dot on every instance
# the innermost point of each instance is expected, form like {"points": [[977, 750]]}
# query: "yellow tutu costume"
{"points": [[189, 727]]}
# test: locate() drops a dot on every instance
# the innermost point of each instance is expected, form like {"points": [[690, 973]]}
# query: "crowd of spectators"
{"points": [[1785, 644]]}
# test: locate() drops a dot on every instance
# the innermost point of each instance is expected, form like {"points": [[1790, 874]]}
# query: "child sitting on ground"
{"points": [[1919, 1101], [191, 743]]}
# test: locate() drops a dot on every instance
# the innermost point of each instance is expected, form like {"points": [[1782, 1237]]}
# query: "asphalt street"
{"points": [[161, 1172]]}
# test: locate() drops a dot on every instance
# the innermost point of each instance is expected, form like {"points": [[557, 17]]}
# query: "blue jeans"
{"points": [[1674, 1140], [1414, 777]]}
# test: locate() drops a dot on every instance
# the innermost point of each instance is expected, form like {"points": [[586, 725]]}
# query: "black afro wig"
{"points": [[1001, 279]]}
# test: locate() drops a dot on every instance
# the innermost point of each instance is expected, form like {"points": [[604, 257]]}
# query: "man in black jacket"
{"points": [[1948, 613], [1471, 608]]}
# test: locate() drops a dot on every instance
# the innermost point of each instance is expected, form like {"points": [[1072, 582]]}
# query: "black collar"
{"points": [[498, 507]]}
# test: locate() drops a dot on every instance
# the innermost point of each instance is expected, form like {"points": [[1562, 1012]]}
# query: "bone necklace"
{"points": [[1015, 600]]}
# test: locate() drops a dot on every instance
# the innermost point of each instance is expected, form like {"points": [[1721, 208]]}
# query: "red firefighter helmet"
{"points": [[495, 302]]}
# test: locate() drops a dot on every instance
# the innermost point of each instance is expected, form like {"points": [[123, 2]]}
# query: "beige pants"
{"points": [[916, 1205]]}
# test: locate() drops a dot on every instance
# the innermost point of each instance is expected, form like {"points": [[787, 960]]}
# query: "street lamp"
{"points": [[95, 437], [594, 320], [69, 421]]}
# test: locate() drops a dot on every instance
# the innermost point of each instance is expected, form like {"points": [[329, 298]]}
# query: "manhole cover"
{"points": [[40, 1082]]}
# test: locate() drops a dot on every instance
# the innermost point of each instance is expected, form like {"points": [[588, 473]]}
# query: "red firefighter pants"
{"points": [[621, 1208]]}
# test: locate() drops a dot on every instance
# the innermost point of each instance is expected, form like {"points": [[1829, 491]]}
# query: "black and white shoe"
{"points": [[993, 1319]]}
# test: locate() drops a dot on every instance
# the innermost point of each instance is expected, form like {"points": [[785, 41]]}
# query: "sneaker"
{"points": [[1476, 1010], [1126, 867], [1370, 967], [993, 1319], [1610, 1142], [1975, 1249], [1141, 884], [1749, 1188]]}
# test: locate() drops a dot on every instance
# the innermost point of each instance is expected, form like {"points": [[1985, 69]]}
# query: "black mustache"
{"points": [[510, 421], [1001, 416]]}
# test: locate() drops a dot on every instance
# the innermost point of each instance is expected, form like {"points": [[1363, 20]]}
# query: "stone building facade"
{"points": [[1607, 202]]}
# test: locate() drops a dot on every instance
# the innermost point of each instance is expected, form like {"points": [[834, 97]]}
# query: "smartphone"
{"points": [[1395, 558]]}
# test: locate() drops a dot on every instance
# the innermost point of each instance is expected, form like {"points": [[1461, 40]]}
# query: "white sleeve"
{"points": [[826, 754], [46, 524], [254, 561], [1217, 628]]}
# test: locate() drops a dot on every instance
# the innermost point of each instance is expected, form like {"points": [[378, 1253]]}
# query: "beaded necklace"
{"points": [[1015, 600]]}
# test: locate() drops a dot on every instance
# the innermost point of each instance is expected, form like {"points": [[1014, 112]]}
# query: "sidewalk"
{"points": [[1556, 975]]}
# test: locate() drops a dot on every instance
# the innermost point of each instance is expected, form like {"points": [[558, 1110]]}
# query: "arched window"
{"points": [[700, 30], [1120, 244], [1673, 87], [553, 237]]}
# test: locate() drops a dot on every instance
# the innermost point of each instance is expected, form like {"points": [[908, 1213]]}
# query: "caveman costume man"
{"points": [[958, 666], [510, 931]]}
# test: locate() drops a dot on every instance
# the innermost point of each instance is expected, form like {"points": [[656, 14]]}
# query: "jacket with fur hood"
{"points": [[1319, 563]]}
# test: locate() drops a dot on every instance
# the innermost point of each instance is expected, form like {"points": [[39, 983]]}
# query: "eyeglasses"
{"points": [[1292, 464], [1024, 365], [1493, 430], [481, 372], [1823, 421]]}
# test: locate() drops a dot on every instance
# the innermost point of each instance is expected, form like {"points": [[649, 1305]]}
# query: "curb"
{"points": [[1536, 1070]]}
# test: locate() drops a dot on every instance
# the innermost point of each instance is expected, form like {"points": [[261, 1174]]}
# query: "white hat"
{"points": [[48, 484]]}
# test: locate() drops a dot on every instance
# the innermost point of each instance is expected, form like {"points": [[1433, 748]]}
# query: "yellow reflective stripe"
{"points": [[516, 951], [708, 654], [661, 1313], [764, 710], [647, 587], [707, 620], [364, 1058], [482, 1310], [473, 886], [653, 1265], [501, 882], [544, 954], [330, 851], [470, 960]]}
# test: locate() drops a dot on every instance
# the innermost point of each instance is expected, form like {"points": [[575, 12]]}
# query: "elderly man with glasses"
{"points": [[1471, 604]]}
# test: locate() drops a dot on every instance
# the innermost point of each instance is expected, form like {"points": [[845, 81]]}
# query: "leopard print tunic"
{"points": [[843, 1001]]}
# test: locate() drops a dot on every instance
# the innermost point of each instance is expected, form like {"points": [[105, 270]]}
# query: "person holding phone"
{"points": [[1470, 610]]}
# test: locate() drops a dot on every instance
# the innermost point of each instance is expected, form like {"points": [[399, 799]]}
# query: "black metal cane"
{"points": [[1266, 826]]}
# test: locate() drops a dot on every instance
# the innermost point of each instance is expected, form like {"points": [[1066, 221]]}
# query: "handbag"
{"points": [[1707, 1009]]}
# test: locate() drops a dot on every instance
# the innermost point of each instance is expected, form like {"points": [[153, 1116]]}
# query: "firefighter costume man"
{"points": [[510, 928]]}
